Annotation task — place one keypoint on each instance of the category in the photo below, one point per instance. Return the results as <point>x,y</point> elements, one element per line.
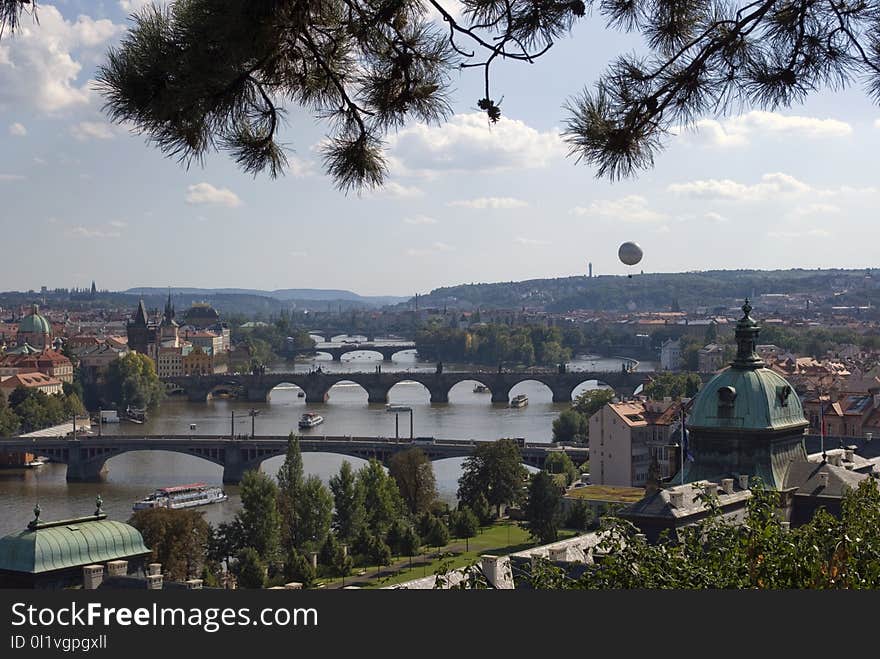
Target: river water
<point>130,476</point>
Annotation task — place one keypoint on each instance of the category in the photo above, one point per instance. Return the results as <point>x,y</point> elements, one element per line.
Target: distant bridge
<point>387,350</point>
<point>86,458</point>
<point>377,385</point>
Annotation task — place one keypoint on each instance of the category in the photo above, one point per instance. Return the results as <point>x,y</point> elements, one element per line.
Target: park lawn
<point>499,539</point>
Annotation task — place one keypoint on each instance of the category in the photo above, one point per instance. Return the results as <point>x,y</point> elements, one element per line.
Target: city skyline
<point>465,202</point>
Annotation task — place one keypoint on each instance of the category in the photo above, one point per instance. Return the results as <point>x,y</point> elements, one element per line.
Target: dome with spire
<point>34,323</point>
<point>747,395</point>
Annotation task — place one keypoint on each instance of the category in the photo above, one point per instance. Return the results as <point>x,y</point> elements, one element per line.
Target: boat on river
<point>182,496</point>
<point>520,400</point>
<point>310,420</point>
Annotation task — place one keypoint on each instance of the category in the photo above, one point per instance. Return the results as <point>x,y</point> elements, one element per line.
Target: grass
<point>607,493</point>
<point>499,539</point>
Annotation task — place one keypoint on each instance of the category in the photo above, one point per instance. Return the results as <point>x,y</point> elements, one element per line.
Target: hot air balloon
<point>629,254</point>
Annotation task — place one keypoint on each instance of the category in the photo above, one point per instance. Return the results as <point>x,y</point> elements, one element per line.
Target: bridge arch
<point>231,387</point>
<point>347,391</point>
<point>359,355</point>
<point>544,393</point>
<point>409,392</point>
<point>589,385</point>
<point>463,392</point>
<point>291,388</point>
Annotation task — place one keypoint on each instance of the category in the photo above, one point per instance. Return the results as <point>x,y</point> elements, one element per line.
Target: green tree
<point>298,567</point>
<point>410,543</point>
<point>558,462</point>
<point>465,525</point>
<point>259,518</point>
<point>9,421</point>
<point>382,500</point>
<point>673,385</point>
<point>225,541</point>
<point>433,531</point>
<point>132,381</point>
<point>570,426</point>
<point>414,475</point>
<point>314,513</point>
<point>379,553</point>
<point>543,507</point>
<point>494,469</point>
<point>580,516</point>
<point>250,571</point>
<point>178,539</point>
<point>482,510</point>
<point>591,401</point>
<point>349,514</point>
<point>290,487</point>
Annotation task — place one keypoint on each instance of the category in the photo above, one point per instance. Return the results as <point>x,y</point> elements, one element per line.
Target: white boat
<point>481,389</point>
<point>182,496</point>
<point>310,420</point>
<point>520,400</point>
<point>39,461</point>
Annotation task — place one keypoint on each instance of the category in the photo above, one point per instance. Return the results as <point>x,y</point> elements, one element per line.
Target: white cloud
<point>876,123</point>
<point>92,130</point>
<point>771,186</point>
<point>299,167</point>
<point>739,131</point>
<point>469,143</point>
<point>17,130</point>
<point>530,242</point>
<point>299,254</point>
<point>433,249</point>
<point>6,178</point>
<point>419,219</point>
<point>119,224</point>
<point>815,209</point>
<point>489,202</point>
<point>632,208</point>
<point>39,66</point>
<point>712,216</point>
<point>810,233</point>
<point>94,232</point>
<point>394,190</point>
<point>205,193</point>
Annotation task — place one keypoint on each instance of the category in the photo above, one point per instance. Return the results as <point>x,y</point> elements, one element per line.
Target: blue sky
<point>466,202</point>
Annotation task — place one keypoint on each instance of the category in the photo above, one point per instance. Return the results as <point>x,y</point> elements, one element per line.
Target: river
<point>130,476</point>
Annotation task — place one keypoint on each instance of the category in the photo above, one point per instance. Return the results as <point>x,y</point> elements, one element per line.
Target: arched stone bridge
<point>377,385</point>
<point>387,350</point>
<point>86,458</point>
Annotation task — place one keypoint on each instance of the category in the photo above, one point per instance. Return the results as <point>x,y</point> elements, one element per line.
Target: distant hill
<point>660,291</point>
<point>299,296</point>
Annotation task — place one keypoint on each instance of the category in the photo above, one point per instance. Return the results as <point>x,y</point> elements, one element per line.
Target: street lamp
<point>253,415</point>
<point>397,409</point>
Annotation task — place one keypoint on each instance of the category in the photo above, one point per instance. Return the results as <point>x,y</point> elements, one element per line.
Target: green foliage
<point>558,462</point>
<point>259,518</point>
<point>592,400</point>
<point>250,571</point>
<point>9,421</point>
<point>349,514</point>
<point>410,542</point>
<point>224,542</point>
<point>298,567</point>
<point>495,470</point>
<point>465,524</point>
<point>382,500</point>
<point>826,552</point>
<point>580,516</point>
<point>543,507</point>
<point>178,539</point>
<point>433,530</point>
<point>378,552</point>
<point>31,409</point>
<point>482,510</point>
<point>314,513</point>
<point>305,506</point>
<point>414,475</point>
<point>132,381</point>
<point>674,385</point>
<point>570,426</point>
<point>493,344</point>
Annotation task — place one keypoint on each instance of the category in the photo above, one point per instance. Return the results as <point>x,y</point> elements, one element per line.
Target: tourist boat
<point>520,400</point>
<point>310,420</point>
<point>39,461</point>
<point>182,496</point>
<point>481,389</point>
<point>301,394</point>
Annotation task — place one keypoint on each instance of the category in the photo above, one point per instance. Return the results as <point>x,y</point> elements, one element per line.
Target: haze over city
<point>465,201</point>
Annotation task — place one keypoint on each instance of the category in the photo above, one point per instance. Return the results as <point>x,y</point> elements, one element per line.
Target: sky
<point>85,200</point>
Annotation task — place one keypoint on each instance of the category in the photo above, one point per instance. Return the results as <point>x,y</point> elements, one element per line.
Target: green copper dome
<point>34,323</point>
<point>747,395</point>
<point>45,547</point>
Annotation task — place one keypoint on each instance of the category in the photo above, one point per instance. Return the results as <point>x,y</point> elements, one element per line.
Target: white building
<point>670,355</point>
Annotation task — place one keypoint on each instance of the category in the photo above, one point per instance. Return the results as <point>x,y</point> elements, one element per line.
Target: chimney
<point>823,478</point>
<point>676,499</point>
<point>117,568</point>
<point>497,571</point>
<point>93,575</point>
<point>727,485</point>
<point>154,569</point>
<point>154,582</point>
<point>744,481</point>
<point>314,559</point>
<point>558,554</point>
<point>193,584</point>
<point>848,454</point>
<point>710,488</point>
<point>293,585</point>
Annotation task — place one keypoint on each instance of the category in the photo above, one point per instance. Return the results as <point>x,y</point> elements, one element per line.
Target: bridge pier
<point>561,395</point>
<point>439,394</point>
<point>376,395</point>
<point>234,465</point>
<point>82,469</point>
<point>501,394</point>
<point>258,394</point>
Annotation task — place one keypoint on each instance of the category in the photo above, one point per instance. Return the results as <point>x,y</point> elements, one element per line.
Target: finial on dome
<point>99,503</point>
<point>37,511</point>
<point>747,308</point>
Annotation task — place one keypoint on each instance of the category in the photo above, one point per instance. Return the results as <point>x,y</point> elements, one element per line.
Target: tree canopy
<point>494,470</point>
<point>198,76</point>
